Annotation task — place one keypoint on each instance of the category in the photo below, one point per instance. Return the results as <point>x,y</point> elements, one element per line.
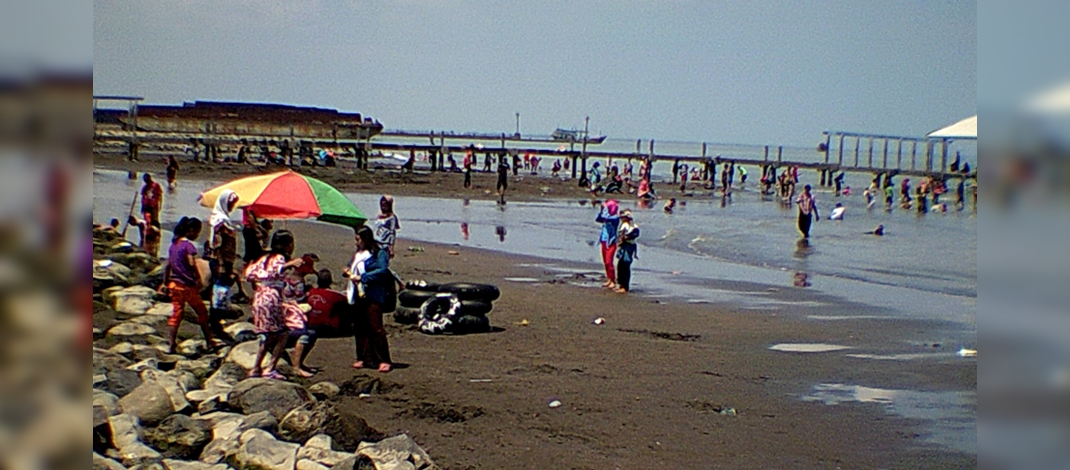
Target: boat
<point>566,135</point>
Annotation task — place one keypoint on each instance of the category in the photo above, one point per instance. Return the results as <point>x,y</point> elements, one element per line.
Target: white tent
<point>964,129</point>
<point>1054,101</point>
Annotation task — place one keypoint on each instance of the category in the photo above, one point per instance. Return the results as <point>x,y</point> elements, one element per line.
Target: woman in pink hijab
<point>607,241</point>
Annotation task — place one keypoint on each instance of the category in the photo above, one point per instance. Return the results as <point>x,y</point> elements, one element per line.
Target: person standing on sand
<point>607,240</point>
<point>503,176</point>
<point>626,251</point>
<point>151,197</point>
<point>387,224</point>
<point>172,173</point>
<point>468,159</point>
<point>807,211</point>
<point>371,269</point>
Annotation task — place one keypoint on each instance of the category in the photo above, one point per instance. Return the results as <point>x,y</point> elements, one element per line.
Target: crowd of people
<point>287,311</point>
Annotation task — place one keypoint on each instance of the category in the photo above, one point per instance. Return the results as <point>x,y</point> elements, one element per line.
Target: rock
<point>160,309</point>
<point>225,378</point>
<point>149,402</point>
<point>244,354</point>
<point>186,379</point>
<point>143,365</point>
<point>149,465</point>
<point>134,300</point>
<point>262,420</point>
<point>215,403</point>
<point>122,348</point>
<point>238,327</point>
<point>137,453</point>
<point>396,453</point>
<point>253,395</point>
<point>309,465</point>
<point>176,391</point>
<point>191,347</point>
<point>262,451</point>
<point>180,436</point>
<point>201,368</point>
<point>305,421</point>
<point>125,430</point>
<point>129,329</point>
<point>349,430</point>
<point>320,441</point>
<point>106,402</point>
<point>117,379</point>
<point>324,390</point>
<point>103,463</point>
<point>107,273</point>
<point>170,464</point>
<point>326,457</point>
<point>219,450</point>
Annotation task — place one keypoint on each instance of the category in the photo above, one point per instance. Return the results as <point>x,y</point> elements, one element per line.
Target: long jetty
<point>840,151</point>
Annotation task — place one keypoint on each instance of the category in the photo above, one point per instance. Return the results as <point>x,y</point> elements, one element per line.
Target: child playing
<point>387,225</point>
<point>627,250</point>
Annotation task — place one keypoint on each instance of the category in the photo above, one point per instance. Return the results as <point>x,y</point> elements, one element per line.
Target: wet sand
<point>643,390</point>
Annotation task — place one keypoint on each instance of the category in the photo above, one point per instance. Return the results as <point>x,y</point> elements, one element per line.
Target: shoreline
<point>641,390</point>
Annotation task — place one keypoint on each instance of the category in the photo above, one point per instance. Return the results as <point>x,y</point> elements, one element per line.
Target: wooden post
<point>899,155</point>
<point>766,158</point>
<point>913,152</point>
<point>841,149</point>
<point>928,155</point>
<point>871,152</point>
<point>779,152</point>
<point>858,141</point>
<point>943,157</point>
<point>828,140</point>
<point>885,162</point>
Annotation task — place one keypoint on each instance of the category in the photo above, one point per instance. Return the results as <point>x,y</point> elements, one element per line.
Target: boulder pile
<point>196,410</point>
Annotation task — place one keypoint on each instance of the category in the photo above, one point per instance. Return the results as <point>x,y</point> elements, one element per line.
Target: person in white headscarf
<point>222,243</point>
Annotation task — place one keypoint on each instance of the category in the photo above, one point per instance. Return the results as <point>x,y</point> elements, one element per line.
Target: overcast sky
<point>754,72</point>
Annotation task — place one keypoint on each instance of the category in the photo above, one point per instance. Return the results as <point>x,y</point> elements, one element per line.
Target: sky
<point>749,72</point>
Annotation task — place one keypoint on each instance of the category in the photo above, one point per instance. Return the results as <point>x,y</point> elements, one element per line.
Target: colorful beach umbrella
<point>289,195</point>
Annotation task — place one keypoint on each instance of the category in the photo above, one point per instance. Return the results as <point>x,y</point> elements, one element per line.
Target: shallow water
<point>949,419</point>
<point>742,253</point>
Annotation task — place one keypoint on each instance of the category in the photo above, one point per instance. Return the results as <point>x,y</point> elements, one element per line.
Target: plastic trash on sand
<point>967,352</point>
<point>599,321</point>
<point>554,404</point>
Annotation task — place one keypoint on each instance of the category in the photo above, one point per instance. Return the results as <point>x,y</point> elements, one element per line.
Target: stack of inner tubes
<point>458,307</point>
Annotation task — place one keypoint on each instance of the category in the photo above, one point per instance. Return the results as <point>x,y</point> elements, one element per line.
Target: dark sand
<point>637,392</point>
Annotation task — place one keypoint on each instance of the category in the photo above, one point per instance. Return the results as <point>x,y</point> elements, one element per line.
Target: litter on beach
<point>480,381</point>
<point>452,252</point>
<point>554,404</point>
<point>967,352</point>
<point>524,322</point>
<point>599,321</point>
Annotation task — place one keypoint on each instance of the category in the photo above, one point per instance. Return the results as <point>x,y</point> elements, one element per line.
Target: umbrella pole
<point>128,216</point>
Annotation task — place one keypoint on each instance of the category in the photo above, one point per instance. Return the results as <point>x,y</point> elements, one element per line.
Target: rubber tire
<point>475,307</point>
<point>414,298</point>
<point>467,324</point>
<point>468,291</point>
<point>406,315</point>
<point>422,285</point>
<point>437,314</point>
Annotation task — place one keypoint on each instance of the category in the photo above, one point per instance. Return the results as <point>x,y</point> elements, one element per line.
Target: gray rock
<point>244,354</point>
<point>107,403</point>
<point>324,390</point>
<point>219,450</point>
<point>326,457</point>
<point>238,327</point>
<point>117,379</point>
<point>186,379</point>
<point>192,346</point>
<point>225,378</point>
<point>125,430</point>
<point>171,464</point>
<point>122,348</point>
<point>160,309</point>
<point>261,450</point>
<point>149,465</point>
<point>149,402</point>
<point>320,441</point>
<point>137,454</point>
<point>349,430</point>
<point>253,395</point>
<point>180,436</point>
<point>103,463</point>
<point>201,368</point>
<point>129,329</point>
<point>211,405</point>
<point>305,421</point>
<point>309,465</point>
<point>107,273</point>
<point>175,389</point>
<point>397,452</point>
<point>108,295</point>
<point>143,365</point>
<point>134,300</point>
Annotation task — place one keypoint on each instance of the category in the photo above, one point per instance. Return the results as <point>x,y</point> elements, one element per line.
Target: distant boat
<point>566,135</point>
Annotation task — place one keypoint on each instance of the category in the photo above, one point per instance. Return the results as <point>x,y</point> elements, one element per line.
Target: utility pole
<point>518,125</point>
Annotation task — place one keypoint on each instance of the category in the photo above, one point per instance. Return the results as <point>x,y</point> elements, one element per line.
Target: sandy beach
<point>651,387</point>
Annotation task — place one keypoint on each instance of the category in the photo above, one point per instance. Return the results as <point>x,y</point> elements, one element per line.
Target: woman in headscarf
<point>607,216</point>
<point>223,241</point>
